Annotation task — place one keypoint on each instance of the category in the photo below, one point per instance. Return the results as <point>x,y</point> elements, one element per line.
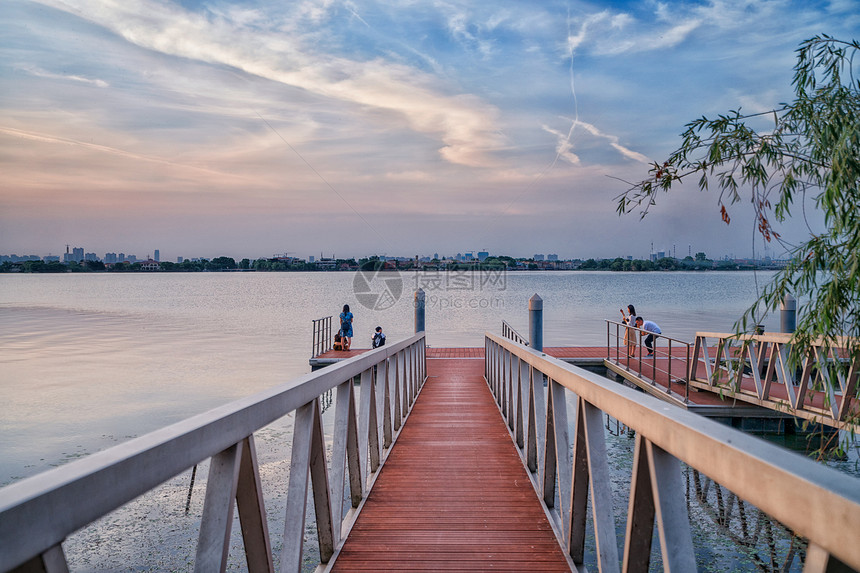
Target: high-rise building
<point>552,257</point>
<point>538,257</point>
<point>483,255</point>
<point>157,256</point>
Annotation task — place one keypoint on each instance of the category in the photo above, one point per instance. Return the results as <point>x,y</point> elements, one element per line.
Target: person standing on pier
<point>629,333</point>
<point>346,327</point>
<point>652,329</point>
<point>378,338</point>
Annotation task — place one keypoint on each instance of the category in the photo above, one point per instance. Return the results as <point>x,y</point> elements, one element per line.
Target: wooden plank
<point>453,494</point>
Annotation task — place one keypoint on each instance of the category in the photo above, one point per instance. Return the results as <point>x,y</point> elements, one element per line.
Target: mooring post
<point>536,323</point>
<point>419,310</point>
<point>788,314</point>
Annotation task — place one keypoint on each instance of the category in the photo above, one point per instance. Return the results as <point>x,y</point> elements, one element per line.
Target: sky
<point>399,128</point>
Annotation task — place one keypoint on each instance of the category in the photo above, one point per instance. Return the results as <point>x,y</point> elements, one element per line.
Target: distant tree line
<point>700,263</point>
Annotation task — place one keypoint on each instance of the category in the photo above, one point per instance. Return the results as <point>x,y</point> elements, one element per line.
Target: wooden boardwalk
<point>453,494</point>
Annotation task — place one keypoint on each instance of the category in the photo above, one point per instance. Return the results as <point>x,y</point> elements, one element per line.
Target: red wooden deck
<point>453,494</point>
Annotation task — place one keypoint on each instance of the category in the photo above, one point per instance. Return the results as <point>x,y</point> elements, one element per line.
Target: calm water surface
<point>89,360</point>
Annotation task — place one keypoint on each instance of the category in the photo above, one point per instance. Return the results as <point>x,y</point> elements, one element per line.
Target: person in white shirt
<point>652,329</point>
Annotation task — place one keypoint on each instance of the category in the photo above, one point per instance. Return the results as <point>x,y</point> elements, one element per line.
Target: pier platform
<point>650,375</point>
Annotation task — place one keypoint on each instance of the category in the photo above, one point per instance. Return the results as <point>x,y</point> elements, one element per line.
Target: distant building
<point>110,258</point>
<point>13,258</point>
<point>180,260</point>
<point>311,259</point>
<point>538,257</point>
<point>661,254</point>
<point>91,257</point>
<point>483,256</point>
<point>76,256</point>
<point>552,257</point>
<point>157,256</point>
<point>150,265</point>
<point>120,258</point>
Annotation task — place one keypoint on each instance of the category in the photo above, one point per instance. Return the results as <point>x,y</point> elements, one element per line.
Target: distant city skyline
<point>244,129</point>
<point>80,254</point>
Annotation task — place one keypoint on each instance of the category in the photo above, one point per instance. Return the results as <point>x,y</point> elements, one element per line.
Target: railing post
<point>419,310</point>
<point>788,314</point>
<point>536,323</point>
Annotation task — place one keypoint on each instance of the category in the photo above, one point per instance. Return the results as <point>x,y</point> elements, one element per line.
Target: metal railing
<point>674,351</point>
<point>761,369</point>
<point>38,513</point>
<point>322,336</point>
<point>510,332</point>
<point>816,502</point>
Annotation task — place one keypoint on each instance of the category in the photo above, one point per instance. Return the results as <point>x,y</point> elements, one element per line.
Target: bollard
<point>536,323</point>
<point>419,310</point>
<point>788,314</point>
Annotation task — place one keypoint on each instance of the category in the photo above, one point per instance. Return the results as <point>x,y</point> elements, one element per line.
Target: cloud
<point>611,35</point>
<point>40,73</point>
<point>465,125</point>
<point>564,144</point>
<point>669,24</point>
<point>409,176</point>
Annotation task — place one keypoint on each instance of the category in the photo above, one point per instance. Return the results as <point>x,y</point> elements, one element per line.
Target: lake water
<point>91,360</point>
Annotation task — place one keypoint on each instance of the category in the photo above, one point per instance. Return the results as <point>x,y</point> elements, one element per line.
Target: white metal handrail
<point>664,347</point>
<point>817,502</point>
<point>38,513</point>
<point>322,337</point>
<point>766,362</point>
<point>510,332</point>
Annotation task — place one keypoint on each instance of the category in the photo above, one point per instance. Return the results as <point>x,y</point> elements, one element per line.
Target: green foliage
<point>221,263</point>
<point>807,148</point>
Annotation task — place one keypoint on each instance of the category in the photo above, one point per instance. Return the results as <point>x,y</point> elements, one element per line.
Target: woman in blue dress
<point>346,327</point>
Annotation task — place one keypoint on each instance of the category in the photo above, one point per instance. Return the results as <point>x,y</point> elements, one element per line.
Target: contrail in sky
<point>113,151</point>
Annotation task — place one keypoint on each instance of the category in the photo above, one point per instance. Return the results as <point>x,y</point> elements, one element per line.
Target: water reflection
<point>767,543</point>
<point>729,534</point>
